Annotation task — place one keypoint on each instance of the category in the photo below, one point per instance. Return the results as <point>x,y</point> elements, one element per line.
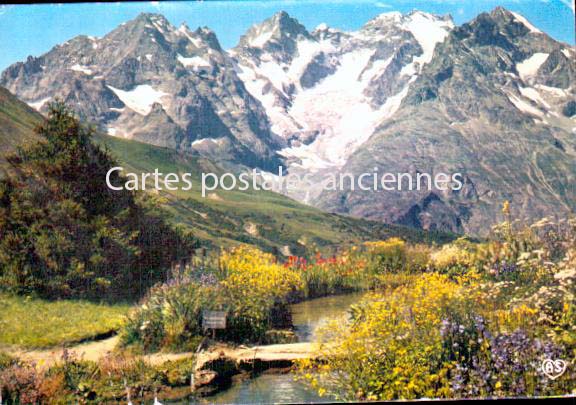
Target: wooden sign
<point>214,319</point>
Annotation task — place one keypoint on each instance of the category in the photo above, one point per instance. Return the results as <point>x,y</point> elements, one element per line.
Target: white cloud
<point>382,5</point>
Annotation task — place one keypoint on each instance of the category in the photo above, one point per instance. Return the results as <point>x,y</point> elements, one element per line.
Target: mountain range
<point>493,99</point>
<point>266,219</point>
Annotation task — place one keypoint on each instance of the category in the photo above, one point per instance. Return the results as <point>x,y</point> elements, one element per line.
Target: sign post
<point>213,320</point>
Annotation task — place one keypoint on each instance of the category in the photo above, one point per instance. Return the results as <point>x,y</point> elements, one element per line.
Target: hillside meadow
<point>445,317</point>
<point>460,320</point>
<point>35,323</point>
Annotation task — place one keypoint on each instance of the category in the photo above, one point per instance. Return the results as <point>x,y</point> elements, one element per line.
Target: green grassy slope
<point>36,323</point>
<point>266,219</point>
<point>17,122</point>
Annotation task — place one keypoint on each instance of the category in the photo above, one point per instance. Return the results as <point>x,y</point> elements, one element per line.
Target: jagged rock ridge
<point>493,99</point>
<point>150,81</point>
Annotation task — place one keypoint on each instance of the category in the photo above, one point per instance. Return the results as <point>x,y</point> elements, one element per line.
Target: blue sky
<point>35,28</point>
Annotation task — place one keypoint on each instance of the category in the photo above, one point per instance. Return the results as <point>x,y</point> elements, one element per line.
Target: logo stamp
<point>553,368</point>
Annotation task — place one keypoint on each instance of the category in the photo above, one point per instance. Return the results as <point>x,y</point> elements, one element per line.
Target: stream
<point>307,316</point>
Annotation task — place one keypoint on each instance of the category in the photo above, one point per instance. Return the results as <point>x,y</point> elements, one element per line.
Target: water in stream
<point>311,314</point>
<point>282,388</point>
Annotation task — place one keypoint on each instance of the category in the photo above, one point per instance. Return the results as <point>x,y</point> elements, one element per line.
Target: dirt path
<point>92,351</point>
<point>267,353</point>
<point>95,351</point>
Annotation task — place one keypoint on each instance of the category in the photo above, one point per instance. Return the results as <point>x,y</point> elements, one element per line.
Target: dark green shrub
<point>64,233</point>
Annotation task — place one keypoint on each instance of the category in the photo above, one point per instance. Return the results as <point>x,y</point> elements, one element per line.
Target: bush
<point>500,364</point>
<point>20,383</point>
<point>449,337</point>
<point>251,287</point>
<point>324,276</point>
<point>388,349</point>
<point>381,264</point>
<point>482,328</point>
<point>417,258</point>
<point>451,259</point>
<point>64,233</point>
<point>387,256</point>
<point>76,381</point>
<point>170,316</point>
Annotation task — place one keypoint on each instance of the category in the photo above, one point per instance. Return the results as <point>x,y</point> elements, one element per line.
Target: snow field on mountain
<point>196,62</point>
<point>141,98</point>
<point>38,104</point>
<point>256,85</point>
<point>529,67</point>
<point>524,21</point>
<point>524,106</point>
<point>428,31</point>
<point>336,106</point>
<point>82,69</point>
<point>533,95</point>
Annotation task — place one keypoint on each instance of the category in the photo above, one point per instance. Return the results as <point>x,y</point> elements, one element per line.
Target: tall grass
<point>35,323</point>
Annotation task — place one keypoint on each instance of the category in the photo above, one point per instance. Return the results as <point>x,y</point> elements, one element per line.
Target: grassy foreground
<point>465,320</point>
<point>34,323</point>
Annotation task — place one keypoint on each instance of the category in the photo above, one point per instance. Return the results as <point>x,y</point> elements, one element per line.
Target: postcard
<point>287,201</point>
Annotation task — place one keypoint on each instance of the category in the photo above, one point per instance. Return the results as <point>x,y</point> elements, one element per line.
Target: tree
<point>64,233</point>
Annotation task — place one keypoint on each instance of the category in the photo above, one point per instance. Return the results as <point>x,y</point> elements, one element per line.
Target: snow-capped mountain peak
<point>428,30</point>
<point>150,81</point>
<point>406,92</point>
<point>384,20</point>
<point>278,31</point>
<point>327,94</point>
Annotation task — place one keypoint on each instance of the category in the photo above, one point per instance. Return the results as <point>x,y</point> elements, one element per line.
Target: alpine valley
<point>493,99</point>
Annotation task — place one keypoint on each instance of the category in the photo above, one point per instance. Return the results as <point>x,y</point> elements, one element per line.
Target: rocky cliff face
<point>150,81</point>
<point>492,99</point>
<point>486,105</point>
<point>326,91</point>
